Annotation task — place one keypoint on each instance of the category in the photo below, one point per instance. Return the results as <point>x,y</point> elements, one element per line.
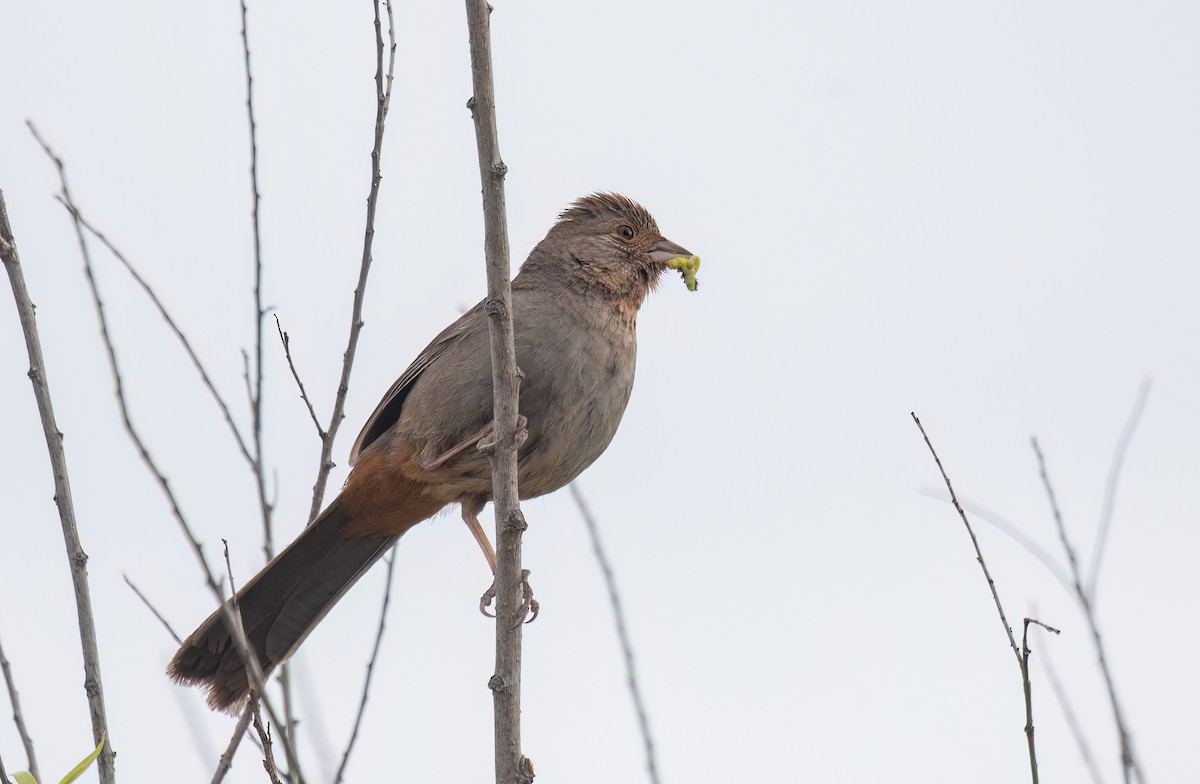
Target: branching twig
<point>1129,764</point>
<point>13,699</point>
<point>233,620</point>
<point>1027,687</point>
<point>362,703</point>
<point>171,324</point>
<point>991,584</point>
<point>511,765</point>
<point>286,340</point>
<point>610,581</point>
<point>383,100</point>
<point>152,609</point>
<point>1110,487</point>
<point>76,556</point>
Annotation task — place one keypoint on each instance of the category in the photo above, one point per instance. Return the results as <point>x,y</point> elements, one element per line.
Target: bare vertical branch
<point>1021,662</point>
<point>610,581</point>
<point>76,556</point>
<point>383,100</point>
<point>13,699</point>
<point>1110,487</point>
<point>1130,767</point>
<point>1027,687</point>
<point>256,387</point>
<point>362,703</point>
<point>512,767</point>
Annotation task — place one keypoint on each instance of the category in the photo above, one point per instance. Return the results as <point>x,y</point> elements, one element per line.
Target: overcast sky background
<point>983,212</point>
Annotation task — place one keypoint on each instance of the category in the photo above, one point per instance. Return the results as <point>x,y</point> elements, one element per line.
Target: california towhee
<point>575,304</point>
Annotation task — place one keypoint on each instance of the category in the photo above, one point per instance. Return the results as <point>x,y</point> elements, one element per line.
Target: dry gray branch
<point>1130,767</point>
<point>225,763</point>
<point>991,585</point>
<point>286,340</point>
<point>1064,702</point>
<point>165,624</point>
<point>13,698</point>
<point>366,690</point>
<point>610,581</point>
<point>76,556</point>
<point>1027,688</point>
<point>512,767</point>
<point>383,100</point>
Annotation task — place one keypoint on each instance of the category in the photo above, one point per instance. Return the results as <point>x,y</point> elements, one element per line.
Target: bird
<point>575,303</point>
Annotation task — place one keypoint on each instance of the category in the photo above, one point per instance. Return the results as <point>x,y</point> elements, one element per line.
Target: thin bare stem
<point>1028,689</point>
<point>122,403</point>
<point>1130,767</point>
<point>286,340</point>
<point>512,767</point>
<point>264,736</point>
<point>232,616</point>
<point>205,378</point>
<point>165,624</point>
<point>1021,661</point>
<point>225,763</point>
<point>975,542</point>
<point>610,581</point>
<point>1064,702</point>
<point>362,703</point>
<point>4,772</point>
<point>1110,487</point>
<point>13,698</point>
<point>383,100</point>
<point>1017,535</point>
<point>76,556</point>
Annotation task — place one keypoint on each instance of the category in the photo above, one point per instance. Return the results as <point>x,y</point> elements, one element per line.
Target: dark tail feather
<point>279,607</point>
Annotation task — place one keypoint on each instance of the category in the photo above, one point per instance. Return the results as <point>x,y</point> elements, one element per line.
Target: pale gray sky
<point>982,212</point>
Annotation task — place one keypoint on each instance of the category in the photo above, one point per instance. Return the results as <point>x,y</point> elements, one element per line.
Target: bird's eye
<point>626,232</point>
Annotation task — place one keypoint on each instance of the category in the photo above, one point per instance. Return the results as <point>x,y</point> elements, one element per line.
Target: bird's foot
<point>520,435</point>
<point>529,609</point>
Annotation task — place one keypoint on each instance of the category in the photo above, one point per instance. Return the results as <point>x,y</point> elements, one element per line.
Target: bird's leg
<point>529,606</point>
<point>441,459</point>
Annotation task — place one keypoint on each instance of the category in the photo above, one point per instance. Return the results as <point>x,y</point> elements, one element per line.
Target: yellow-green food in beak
<point>687,268</point>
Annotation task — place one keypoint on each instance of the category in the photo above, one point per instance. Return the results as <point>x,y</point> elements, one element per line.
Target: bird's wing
<point>387,413</point>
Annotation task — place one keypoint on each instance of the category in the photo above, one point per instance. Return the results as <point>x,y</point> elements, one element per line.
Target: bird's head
<point>611,244</point>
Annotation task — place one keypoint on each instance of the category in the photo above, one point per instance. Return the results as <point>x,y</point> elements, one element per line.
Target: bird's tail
<point>279,607</point>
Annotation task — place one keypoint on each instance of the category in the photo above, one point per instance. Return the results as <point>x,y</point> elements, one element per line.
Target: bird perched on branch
<point>574,305</point>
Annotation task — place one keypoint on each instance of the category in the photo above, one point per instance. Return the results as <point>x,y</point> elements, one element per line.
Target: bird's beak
<point>664,250</point>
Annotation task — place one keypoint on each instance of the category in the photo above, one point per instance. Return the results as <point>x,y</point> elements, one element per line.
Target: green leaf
<point>24,777</point>
<point>83,765</point>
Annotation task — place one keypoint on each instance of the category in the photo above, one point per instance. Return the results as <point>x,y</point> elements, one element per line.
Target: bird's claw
<point>520,436</point>
<point>529,609</point>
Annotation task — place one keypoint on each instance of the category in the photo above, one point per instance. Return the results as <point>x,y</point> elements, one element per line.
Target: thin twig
<point>1064,702</point>
<point>152,609</point>
<point>13,698</point>
<point>264,736</point>
<point>1110,487</point>
<point>4,773</point>
<point>975,542</point>
<point>225,763</point>
<point>171,324</point>
<point>62,485</point>
<point>383,100</point>
<point>610,581</point>
<point>233,620</point>
<point>362,703</point>
<point>123,405</point>
<point>287,352</point>
<point>1028,689</point>
<point>1017,535</point>
<point>991,584</point>
<point>1130,767</point>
